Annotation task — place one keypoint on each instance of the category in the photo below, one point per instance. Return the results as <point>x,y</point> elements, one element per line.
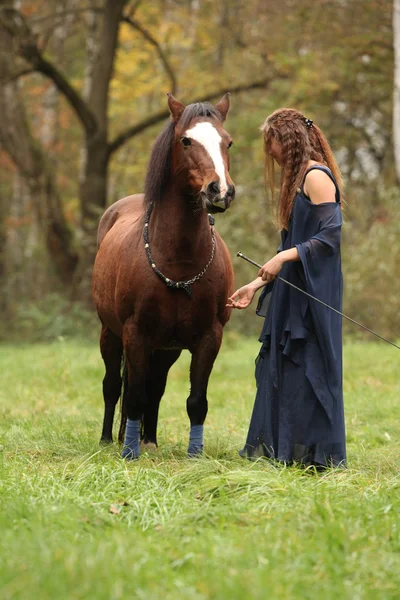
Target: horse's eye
<point>230,144</point>
<point>186,142</point>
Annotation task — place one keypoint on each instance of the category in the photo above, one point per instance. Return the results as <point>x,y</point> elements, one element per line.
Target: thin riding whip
<point>321,302</point>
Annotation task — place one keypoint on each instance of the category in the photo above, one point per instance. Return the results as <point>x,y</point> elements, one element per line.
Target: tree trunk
<point>91,55</point>
<point>396,95</point>
<point>93,201</point>
<point>93,186</point>
<point>30,159</point>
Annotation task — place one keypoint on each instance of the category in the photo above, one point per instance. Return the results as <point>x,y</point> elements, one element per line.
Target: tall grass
<point>78,522</point>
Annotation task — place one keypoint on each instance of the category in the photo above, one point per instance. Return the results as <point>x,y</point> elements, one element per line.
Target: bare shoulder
<point>319,187</point>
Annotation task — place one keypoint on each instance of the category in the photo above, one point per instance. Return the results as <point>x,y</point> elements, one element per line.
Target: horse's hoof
<point>105,441</point>
<point>148,446</point>
<point>129,454</point>
<point>195,451</point>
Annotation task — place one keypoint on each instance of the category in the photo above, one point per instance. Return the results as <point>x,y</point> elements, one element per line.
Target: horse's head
<point>200,158</point>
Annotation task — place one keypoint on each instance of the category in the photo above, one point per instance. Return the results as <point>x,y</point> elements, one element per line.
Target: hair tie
<point>308,122</point>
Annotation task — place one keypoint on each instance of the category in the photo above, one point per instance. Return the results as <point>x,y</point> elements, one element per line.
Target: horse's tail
<point>124,390</point>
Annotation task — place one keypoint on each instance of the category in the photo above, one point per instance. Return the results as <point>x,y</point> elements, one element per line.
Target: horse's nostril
<point>213,187</point>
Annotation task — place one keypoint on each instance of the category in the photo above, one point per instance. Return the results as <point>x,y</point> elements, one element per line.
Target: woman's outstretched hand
<point>242,297</point>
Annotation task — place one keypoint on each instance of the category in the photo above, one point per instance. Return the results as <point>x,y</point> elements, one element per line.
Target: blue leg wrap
<point>196,440</point>
<point>132,440</point>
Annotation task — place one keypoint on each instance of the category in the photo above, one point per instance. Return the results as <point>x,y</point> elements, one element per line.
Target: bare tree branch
<point>147,35</point>
<point>128,18</point>
<point>16,75</point>
<point>134,130</point>
<point>75,100</point>
<point>14,22</point>
<point>134,8</point>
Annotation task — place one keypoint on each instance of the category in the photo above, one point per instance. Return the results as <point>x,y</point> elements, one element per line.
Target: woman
<point>298,411</point>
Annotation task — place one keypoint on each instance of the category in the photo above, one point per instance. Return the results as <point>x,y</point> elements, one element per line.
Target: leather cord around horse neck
<point>184,285</point>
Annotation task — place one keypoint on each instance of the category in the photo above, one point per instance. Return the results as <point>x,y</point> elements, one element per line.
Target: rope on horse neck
<point>323,303</point>
<point>184,285</point>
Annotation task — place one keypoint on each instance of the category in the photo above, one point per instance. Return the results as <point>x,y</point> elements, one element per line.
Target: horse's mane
<point>159,169</point>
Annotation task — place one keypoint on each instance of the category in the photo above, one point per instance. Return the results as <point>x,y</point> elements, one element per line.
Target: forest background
<point>82,100</point>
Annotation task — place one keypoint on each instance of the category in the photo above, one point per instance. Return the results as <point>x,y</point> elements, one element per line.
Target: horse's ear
<point>223,106</point>
<point>176,108</point>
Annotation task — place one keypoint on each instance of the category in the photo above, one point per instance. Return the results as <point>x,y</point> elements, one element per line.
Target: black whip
<point>320,301</point>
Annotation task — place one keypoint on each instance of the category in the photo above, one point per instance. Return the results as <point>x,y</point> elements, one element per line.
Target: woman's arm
<point>256,284</point>
<point>290,255</point>
<point>271,269</point>
<point>320,190</point>
<point>244,295</point>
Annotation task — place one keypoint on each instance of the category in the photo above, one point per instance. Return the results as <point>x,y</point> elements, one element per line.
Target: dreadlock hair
<point>300,140</point>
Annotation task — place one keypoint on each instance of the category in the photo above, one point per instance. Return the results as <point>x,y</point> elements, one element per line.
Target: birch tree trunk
<point>396,95</point>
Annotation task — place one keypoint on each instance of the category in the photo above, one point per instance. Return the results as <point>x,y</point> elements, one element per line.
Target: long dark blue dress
<point>298,411</point>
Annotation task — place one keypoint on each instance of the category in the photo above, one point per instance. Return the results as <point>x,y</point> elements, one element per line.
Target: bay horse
<point>162,275</point>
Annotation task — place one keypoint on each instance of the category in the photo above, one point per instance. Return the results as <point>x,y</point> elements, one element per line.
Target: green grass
<point>76,522</point>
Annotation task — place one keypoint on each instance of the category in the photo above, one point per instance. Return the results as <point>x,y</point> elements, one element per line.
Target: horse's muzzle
<point>215,201</point>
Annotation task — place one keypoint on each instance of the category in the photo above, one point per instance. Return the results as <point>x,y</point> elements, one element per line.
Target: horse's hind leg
<point>111,351</point>
<point>160,363</point>
<point>137,356</point>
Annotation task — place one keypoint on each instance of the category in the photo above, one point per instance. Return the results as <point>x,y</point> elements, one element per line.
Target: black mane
<point>159,169</point>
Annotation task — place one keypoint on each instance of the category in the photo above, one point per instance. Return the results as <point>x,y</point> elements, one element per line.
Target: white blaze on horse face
<point>206,134</point>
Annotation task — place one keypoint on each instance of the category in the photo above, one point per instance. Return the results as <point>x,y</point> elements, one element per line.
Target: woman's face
<point>276,151</point>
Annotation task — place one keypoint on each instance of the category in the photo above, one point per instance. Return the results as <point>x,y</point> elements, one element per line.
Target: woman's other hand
<point>271,269</point>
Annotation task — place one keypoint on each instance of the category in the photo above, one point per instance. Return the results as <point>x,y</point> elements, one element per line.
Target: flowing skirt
<point>288,422</point>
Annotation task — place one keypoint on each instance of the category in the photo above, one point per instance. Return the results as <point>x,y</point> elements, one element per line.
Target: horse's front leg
<point>204,354</point>
<point>160,363</point>
<point>138,359</point>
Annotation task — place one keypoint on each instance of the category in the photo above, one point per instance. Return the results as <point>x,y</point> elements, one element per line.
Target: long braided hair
<point>300,141</point>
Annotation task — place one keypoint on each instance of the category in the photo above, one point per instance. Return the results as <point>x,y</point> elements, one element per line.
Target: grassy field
<point>76,522</point>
